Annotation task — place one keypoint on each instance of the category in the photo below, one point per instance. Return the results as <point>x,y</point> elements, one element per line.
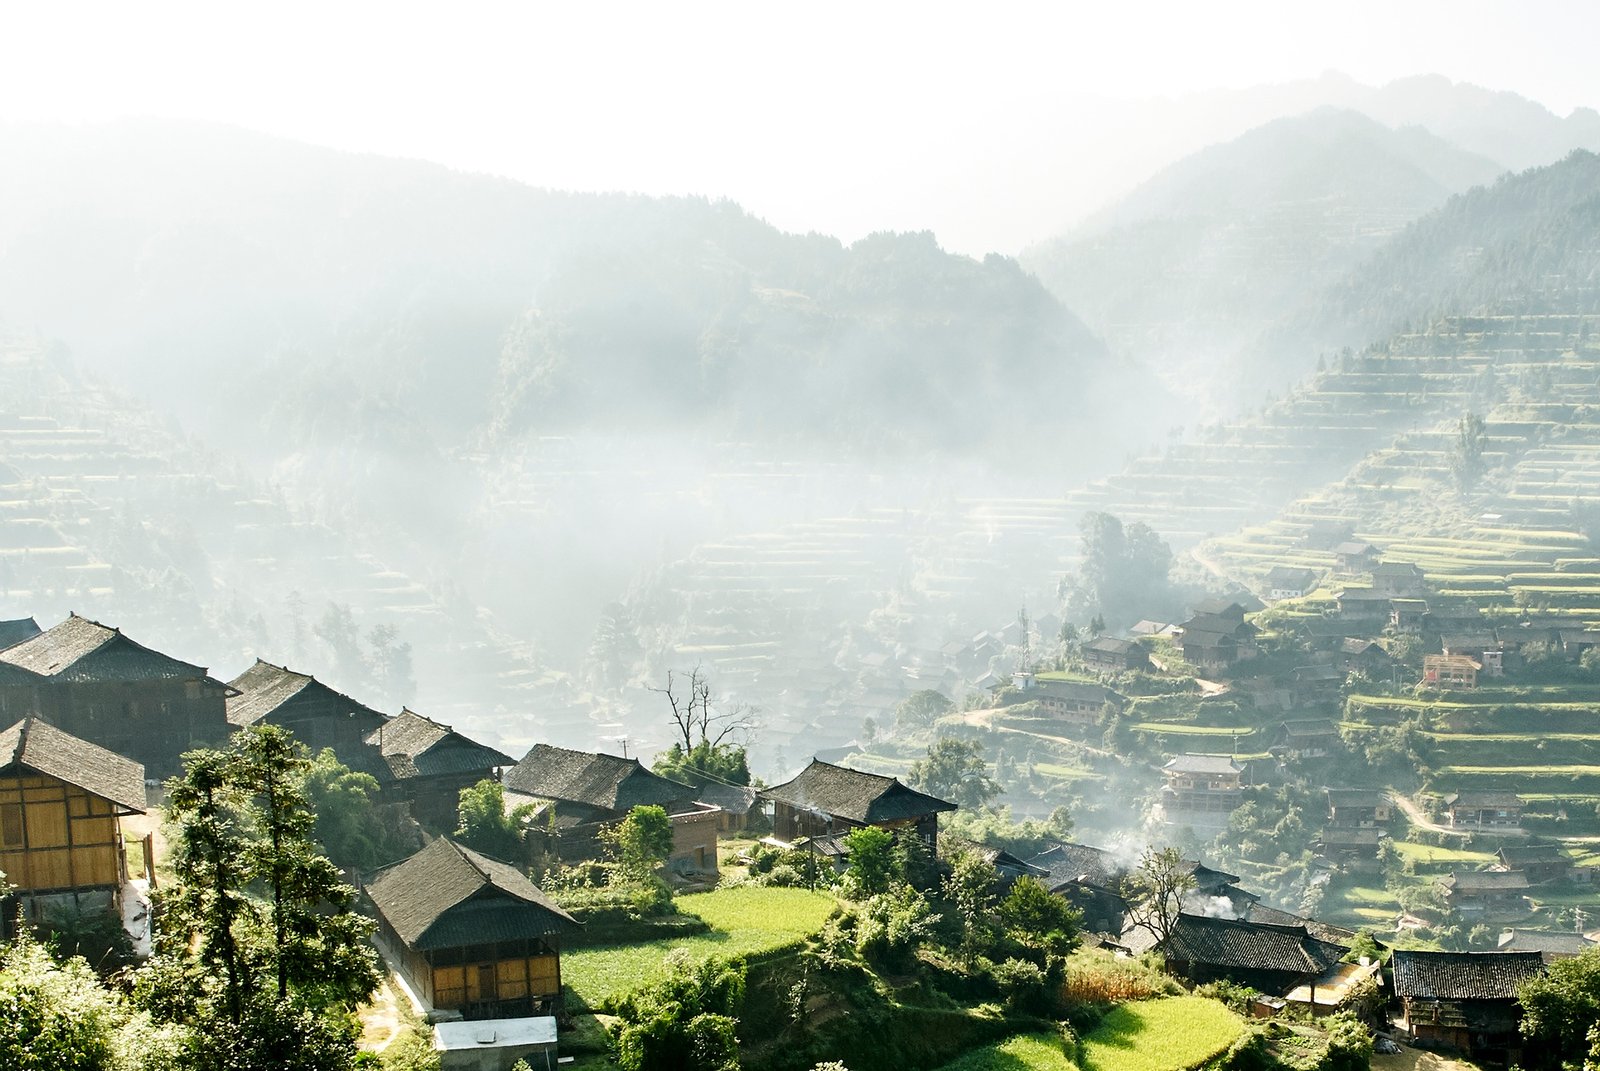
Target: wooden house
<point>1481,647</point>
<point>1551,945</point>
<point>17,631</point>
<point>1300,739</point>
<point>1091,880</point>
<point>1077,701</point>
<point>1358,654</point>
<point>1498,891</point>
<point>1399,580</point>
<point>1352,848</point>
<point>101,686</point>
<point>824,799</point>
<point>61,803</point>
<point>318,716</point>
<point>1208,651</point>
<point>1270,958</point>
<point>588,791</point>
<point>1107,654</point>
<point>1450,671</point>
<point>1355,557</point>
<point>1408,615</point>
<point>1288,582</point>
<point>1201,784</point>
<point>1362,604</point>
<point>1541,862</point>
<point>1361,808</point>
<point>1464,1000</point>
<point>1484,810</point>
<point>471,935</point>
<point>737,805</point>
<point>431,763</point>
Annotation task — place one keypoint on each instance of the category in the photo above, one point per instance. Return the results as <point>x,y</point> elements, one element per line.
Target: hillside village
<point>1490,890</point>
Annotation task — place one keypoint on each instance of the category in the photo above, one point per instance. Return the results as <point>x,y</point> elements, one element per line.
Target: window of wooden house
<point>542,974</point>
<point>511,979</point>
<point>10,825</point>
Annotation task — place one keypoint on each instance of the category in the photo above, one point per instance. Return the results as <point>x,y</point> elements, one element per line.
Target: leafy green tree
<point>641,842</point>
<point>1032,916</point>
<point>996,828</point>
<point>954,770</point>
<point>704,763</point>
<point>970,890</point>
<point>52,1016</point>
<point>689,1020</point>
<point>484,826</point>
<point>1466,455</point>
<point>1125,572</point>
<point>921,709</point>
<point>1560,1010</point>
<point>872,861</point>
<point>356,830</point>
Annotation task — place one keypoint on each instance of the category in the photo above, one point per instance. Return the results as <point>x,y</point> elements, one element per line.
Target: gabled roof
<point>1357,797</point>
<point>1202,764</point>
<point>1204,638</point>
<point>735,799</point>
<point>1515,855</point>
<point>264,688</point>
<point>1081,864</point>
<point>1263,915</point>
<point>1232,944</point>
<point>604,782</point>
<point>1294,576</point>
<point>1479,881</point>
<point>1360,645</point>
<point>41,747</point>
<point>1484,800</point>
<point>1353,548</point>
<point>15,632</point>
<point>851,794</point>
<point>1544,942</point>
<point>81,650</point>
<point>1112,645</point>
<point>1464,975</point>
<point>448,895</point>
<point>1409,570</point>
<point>415,746</point>
<point>1299,728</point>
<point>1082,690</point>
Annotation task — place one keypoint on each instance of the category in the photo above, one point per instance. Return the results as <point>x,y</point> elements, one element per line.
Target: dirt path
<point>380,1019</point>
<point>1409,1059</point>
<point>1416,817</point>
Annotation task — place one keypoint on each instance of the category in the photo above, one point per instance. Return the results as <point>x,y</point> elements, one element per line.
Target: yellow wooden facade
<point>536,978</point>
<point>55,837</point>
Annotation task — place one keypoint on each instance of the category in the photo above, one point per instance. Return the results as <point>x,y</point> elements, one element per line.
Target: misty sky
<point>976,121</point>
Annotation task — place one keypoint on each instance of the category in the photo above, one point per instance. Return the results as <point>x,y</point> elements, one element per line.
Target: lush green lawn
<point>1170,1034</point>
<point>744,920</point>
<point>1161,1035</point>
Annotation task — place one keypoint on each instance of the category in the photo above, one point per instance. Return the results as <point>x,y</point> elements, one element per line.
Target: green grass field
<point>744,920</point>
<point>1427,853</point>
<point>1170,1034</point>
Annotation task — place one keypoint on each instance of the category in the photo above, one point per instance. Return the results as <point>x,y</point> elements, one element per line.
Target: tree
<point>723,764</point>
<point>689,1020</point>
<point>970,890</point>
<point>1032,916</point>
<point>696,715</point>
<point>390,662</point>
<point>1466,455</point>
<point>484,826</point>
<point>52,1016</point>
<point>872,861</point>
<point>921,709</point>
<point>1560,1010</point>
<point>954,770</point>
<point>353,827</point>
<point>641,842</point>
<point>1156,889</point>
<point>1125,571</point>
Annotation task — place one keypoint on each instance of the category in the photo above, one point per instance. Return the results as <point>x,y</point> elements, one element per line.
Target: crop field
<point>744,920</point>
<point>1169,1034</point>
<point>1428,853</point>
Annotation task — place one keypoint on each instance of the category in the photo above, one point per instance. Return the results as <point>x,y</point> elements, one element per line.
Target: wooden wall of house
<point>435,801</point>
<point>149,721</point>
<point>57,837</point>
<point>496,980</point>
<point>324,721</point>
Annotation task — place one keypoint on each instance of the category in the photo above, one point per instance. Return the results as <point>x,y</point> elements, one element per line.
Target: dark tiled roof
<point>1515,855</point>
<point>1464,975</point>
<point>1357,797</point>
<point>415,746</point>
<point>1202,764</point>
<point>1396,569</point>
<point>1292,575</point>
<point>1230,943</point>
<point>859,797</point>
<point>82,650</point>
<point>998,858</point>
<point>1484,800</point>
<point>1083,864</point>
<point>1113,646</point>
<point>1545,942</point>
<point>1471,881</point>
<point>447,895</point>
<point>735,799</point>
<point>1311,727</point>
<point>15,632</point>
<point>605,782</point>
<point>1320,931</point>
<point>264,687</point>
<point>1198,637</point>
<point>42,747</point>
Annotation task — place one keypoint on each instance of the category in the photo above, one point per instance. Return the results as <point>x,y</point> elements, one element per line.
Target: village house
<point>1090,879</point>
<point>1288,582</point>
<point>1316,685</point>
<point>1577,642</point>
<point>1483,810</point>
<point>1541,862</point>
<point>582,792</point>
<point>1476,891</point>
<point>1077,701</point>
<point>470,935</point>
<point>61,804</point>
<point>1201,785</point>
<point>1224,619</point>
<point>1450,671</point>
<point>1551,945</point>
<point>1362,604</point>
<point>1361,655</point>
<point>101,686</point>
<point>737,805</point>
<point>1360,808</point>
<point>1107,654</point>
<point>1351,848</point>
<point>1464,1000</point>
<point>1480,647</point>
<point>1408,615</point>
<point>1353,557</point>
<point>1399,580</point>
<point>826,800</point>
<point>1208,651</point>
<point>1305,738</point>
<point>431,763</point>
<point>318,716</point>
<point>16,631</point>
<point>1286,961</point>
<point>1008,867</point>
